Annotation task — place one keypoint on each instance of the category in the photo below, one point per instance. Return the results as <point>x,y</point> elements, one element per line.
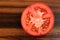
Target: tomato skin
<point>27,28</point>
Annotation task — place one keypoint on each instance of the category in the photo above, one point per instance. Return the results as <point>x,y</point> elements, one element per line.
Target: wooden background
<point>10,14</point>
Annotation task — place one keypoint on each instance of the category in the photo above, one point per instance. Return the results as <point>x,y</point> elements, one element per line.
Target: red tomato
<point>37,19</point>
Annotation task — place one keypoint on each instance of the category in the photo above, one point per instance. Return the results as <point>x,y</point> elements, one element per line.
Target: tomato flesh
<point>37,19</point>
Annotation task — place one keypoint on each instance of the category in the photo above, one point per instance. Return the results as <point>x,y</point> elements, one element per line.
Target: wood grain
<point>24,4</point>
<point>32,0</point>
<point>20,10</point>
<point>20,32</point>
<point>7,39</point>
<point>10,14</point>
<point>11,10</point>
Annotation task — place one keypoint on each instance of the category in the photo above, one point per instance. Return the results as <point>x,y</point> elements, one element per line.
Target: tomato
<point>37,19</point>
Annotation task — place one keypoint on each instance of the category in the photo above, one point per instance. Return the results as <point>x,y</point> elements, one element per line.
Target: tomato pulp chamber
<point>37,19</point>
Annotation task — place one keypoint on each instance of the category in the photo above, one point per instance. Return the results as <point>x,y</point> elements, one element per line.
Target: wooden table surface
<point>10,25</point>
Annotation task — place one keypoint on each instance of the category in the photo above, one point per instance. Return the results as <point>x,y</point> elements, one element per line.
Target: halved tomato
<point>37,19</point>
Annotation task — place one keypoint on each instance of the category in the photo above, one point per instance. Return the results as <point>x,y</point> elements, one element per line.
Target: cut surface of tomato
<point>37,19</point>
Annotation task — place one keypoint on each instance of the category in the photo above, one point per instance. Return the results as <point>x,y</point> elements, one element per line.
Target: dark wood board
<point>10,25</point>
